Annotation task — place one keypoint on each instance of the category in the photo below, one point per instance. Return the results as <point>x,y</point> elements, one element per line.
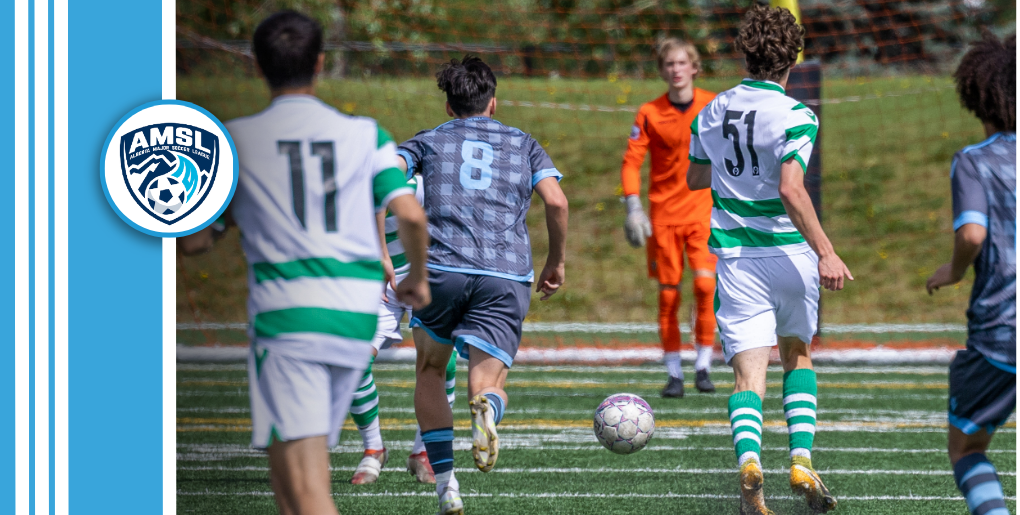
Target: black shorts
<point>982,393</point>
<point>478,311</point>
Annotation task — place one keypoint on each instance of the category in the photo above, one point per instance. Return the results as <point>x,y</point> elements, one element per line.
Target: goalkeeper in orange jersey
<point>679,217</point>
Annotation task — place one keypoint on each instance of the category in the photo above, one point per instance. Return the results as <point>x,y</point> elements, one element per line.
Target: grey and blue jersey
<point>479,175</point>
<point>984,193</point>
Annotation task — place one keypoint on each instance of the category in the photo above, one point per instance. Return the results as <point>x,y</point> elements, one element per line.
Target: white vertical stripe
<point>42,256</point>
<point>22,330</point>
<point>169,54</point>
<point>60,332</point>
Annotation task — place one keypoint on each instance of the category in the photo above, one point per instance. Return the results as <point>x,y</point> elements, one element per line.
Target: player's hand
<point>637,227</point>
<point>414,290</point>
<point>831,272</point>
<point>550,280</point>
<point>942,277</point>
<point>389,277</point>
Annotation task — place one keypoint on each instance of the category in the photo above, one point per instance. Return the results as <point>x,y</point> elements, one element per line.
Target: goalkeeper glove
<point>637,228</point>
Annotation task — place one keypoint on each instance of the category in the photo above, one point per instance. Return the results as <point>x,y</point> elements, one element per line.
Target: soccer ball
<point>165,195</point>
<point>624,423</point>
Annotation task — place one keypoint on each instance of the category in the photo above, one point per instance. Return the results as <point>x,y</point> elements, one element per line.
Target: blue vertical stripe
<point>8,392</point>
<point>50,259</point>
<point>31,259</point>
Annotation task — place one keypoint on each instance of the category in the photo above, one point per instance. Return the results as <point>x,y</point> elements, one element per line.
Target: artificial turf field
<point>879,447</point>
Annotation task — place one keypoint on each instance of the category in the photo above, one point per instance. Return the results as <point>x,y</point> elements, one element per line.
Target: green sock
<point>745,422</point>
<point>800,388</point>
<point>451,378</point>
<point>365,406</point>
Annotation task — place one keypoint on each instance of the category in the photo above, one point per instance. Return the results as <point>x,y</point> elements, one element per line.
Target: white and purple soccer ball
<point>166,195</point>
<point>624,423</point>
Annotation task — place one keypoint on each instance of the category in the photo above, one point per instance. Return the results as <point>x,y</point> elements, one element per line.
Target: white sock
<point>672,360</point>
<point>371,436</point>
<point>419,446</point>
<point>444,479</point>
<point>749,455</point>
<point>704,360</point>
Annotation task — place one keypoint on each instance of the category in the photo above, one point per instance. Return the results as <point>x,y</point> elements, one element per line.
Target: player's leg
<point>982,395</point>
<point>665,266</point>
<point>703,264</point>
<point>300,476</point>
<point>795,293</point>
<point>746,420</point>
<point>486,379</point>
<point>418,461</point>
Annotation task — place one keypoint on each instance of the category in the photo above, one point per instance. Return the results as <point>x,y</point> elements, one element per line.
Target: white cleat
<point>371,465</point>
<point>450,502</point>
<point>483,431</point>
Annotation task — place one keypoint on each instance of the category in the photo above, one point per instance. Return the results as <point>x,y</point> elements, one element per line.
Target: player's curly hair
<point>469,84</point>
<point>770,39</point>
<point>986,80</point>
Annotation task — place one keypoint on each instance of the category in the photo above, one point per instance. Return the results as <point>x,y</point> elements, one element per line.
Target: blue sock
<point>439,447</point>
<point>978,482</point>
<point>497,406</point>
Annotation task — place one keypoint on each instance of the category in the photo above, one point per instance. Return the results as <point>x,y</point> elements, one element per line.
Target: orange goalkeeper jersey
<point>666,131</point>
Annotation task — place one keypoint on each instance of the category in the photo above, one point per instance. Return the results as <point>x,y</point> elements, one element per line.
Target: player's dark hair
<point>770,39</point>
<point>469,84</point>
<point>287,45</point>
<point>986,81</point>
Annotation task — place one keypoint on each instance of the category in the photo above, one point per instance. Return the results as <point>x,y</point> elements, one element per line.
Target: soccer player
<point>365,409</point>
<point>982,377</point>
<point>679,216</point>
<point>479,177</point>
<point>311,180</point>
<point>751,145</point>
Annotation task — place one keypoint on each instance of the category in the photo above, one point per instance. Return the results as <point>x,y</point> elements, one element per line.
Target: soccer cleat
<point>805,481</point>
<point>674,388</point>
<point>371,465</point>
<point>450,502</point>
<point>702,382</point>
<point>752,500</point>
<point>419,467</point>
<point>483,431</point>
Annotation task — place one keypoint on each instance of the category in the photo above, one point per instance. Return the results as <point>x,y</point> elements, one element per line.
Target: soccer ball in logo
<point>165,195</point>
<point>624,423</point>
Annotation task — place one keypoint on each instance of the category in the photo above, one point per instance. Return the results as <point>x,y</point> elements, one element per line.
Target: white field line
<point>585,495</point>
<point>880,395</point>
<point>643,328</point>
<point>595,370</point>
<point>607,470</point>
<point>909,415</point>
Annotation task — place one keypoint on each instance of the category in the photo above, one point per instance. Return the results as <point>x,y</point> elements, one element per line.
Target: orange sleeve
<point>637,147</point>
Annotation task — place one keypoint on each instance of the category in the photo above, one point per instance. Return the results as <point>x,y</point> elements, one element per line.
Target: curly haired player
<point>982,377</point>
<point>751,145</point>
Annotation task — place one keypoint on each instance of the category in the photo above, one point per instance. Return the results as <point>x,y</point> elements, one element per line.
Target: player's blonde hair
<point>670,44</point>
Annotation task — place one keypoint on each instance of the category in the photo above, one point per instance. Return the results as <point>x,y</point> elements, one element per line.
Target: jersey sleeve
<point>388,182</point>
<point>801,131</point>
<point>970,204</point>
<point>698,154</point>
<point>637,147</point>
<point>541,164</point>
<point>412,150</point>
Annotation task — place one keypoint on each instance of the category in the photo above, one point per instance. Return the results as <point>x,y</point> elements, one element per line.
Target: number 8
<point>467,153</point>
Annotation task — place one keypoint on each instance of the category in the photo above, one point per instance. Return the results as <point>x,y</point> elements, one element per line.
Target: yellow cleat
<point>485,448</point>
<point>805,481</point>
<point>752,500</point>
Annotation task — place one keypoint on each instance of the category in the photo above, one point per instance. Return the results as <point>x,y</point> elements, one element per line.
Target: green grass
<point>886,196</point>
<point>547,426</point>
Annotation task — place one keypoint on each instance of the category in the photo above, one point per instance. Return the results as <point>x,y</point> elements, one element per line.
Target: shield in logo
<point>169,168</point>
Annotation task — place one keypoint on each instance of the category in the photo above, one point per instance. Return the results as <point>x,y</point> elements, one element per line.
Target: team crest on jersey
<point>169,168</point>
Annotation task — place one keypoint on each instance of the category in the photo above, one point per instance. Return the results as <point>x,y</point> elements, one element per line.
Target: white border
<point>169,81</point>
<point>21,281</point>
<point>61,499</point>
<point>41,117</point>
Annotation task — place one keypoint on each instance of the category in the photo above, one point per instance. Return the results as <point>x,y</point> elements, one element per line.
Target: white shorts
<point>293,399</point>
<point>387,331</point>
<point>760,298</point>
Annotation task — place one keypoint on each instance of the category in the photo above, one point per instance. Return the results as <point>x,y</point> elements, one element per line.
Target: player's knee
<point>704,286</point>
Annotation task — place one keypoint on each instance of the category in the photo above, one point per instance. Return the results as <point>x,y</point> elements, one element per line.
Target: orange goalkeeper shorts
<point>666,248</point>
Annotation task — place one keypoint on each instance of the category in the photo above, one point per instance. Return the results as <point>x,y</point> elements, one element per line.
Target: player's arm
<point>556,215</point>
<point>797,202</point>
<point>637,227</point>
<point>389,276</point>
<point>970,221</point>
<point>699,173</point>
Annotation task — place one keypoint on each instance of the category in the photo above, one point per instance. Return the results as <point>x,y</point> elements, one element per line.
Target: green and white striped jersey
<point>393,244</point>
<point>311,180</point>
<point>746,134</point>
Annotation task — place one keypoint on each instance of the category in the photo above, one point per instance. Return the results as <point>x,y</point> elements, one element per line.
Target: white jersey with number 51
<point>746,134</point>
